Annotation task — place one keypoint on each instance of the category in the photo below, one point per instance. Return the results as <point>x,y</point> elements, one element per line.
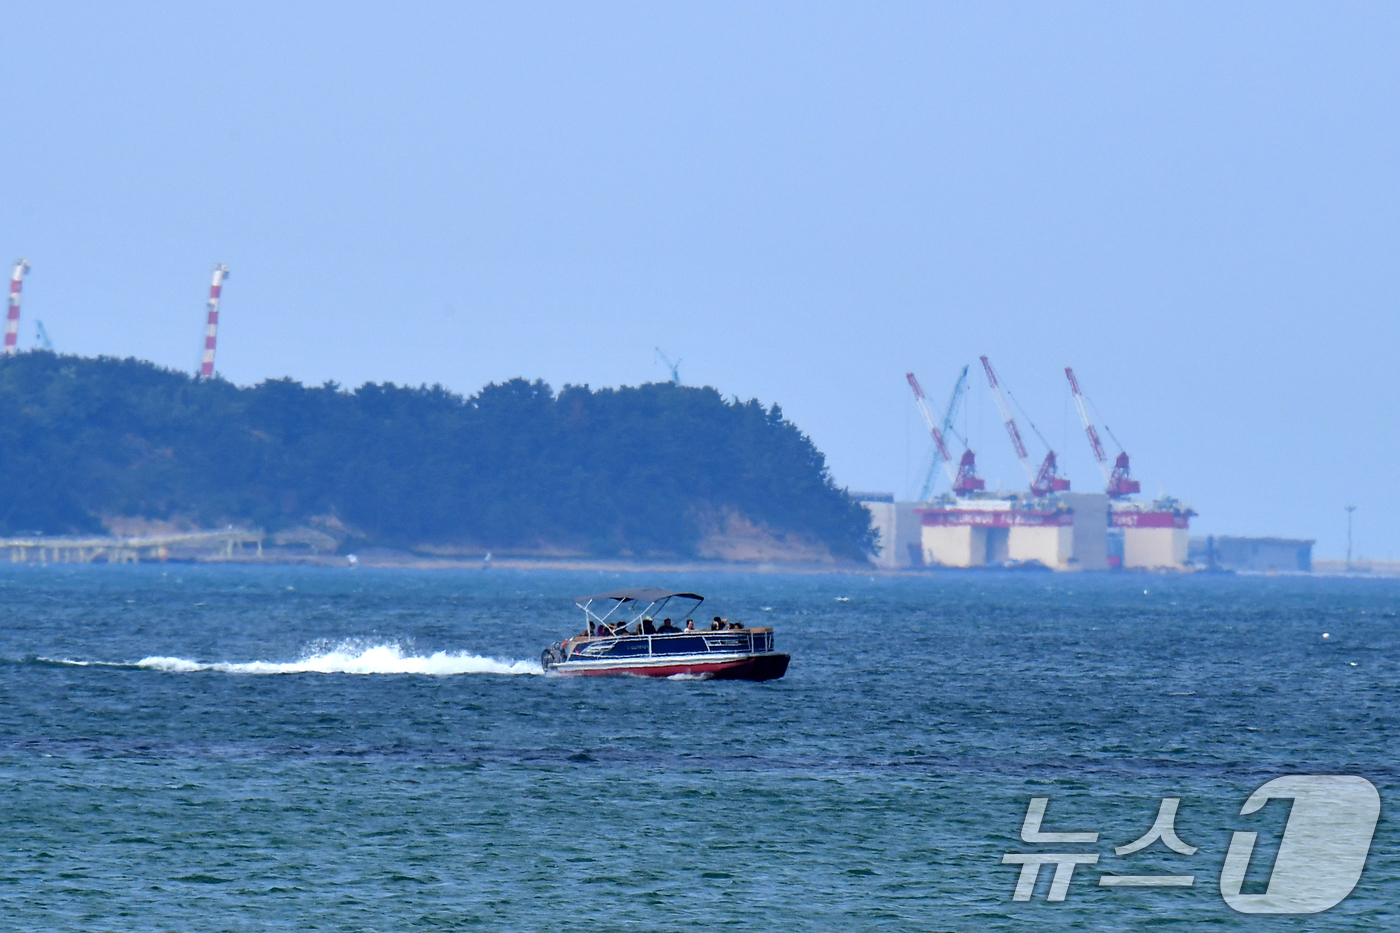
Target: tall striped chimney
<point>12,322</point>
<point>206,368</point>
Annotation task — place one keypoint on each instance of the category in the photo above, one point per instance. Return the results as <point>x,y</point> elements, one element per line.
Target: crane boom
<point>12,322</point>
<point>950,415</point>
<point>1099,456</point>
<point>1045,480</point>
<point>964,477</point>
<point>1118,481</point>
<point>940,447</point>
<point>1009,421</point>
<point>675,367</point>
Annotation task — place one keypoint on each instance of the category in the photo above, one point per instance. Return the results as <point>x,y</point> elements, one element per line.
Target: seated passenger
<point>667,627</point>
<point>648,628</point>
<point>717,624</point>
<point>735,625</point>
<point>690,625</point>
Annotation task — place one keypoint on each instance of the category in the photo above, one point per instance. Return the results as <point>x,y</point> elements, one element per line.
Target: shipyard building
<point>1072,531</point>
<point>1047,525</point>
<point>1069,531</point>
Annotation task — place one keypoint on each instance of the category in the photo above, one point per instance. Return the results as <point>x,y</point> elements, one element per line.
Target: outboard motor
<point>552,655</point>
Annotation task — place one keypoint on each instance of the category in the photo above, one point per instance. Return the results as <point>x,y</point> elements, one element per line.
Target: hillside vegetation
<point>652,470</point>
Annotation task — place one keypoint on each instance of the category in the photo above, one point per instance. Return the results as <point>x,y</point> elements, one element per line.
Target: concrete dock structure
<point>1065,532</point>
<point>1155,536</point>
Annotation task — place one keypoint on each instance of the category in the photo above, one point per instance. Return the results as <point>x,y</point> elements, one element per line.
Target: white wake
<point>346,658</point>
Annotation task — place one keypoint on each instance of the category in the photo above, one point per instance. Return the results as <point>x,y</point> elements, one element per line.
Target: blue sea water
<point>201,748</point>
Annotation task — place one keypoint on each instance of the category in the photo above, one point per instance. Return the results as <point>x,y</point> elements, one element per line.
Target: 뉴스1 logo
<point>1319,859</point>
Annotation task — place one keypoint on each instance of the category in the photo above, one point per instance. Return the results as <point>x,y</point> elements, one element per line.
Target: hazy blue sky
<point>1195,205</point>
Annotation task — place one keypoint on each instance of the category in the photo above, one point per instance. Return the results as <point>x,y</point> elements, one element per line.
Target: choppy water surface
<point>197,748</point>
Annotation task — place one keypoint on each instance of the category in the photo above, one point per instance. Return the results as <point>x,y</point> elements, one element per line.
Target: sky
<point>1194,205</point>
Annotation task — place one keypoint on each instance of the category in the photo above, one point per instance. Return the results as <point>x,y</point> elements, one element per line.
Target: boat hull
<point>743,654</point>
<point>752,667</point>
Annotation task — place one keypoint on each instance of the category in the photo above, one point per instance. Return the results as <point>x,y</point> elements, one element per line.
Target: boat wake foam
<point>345,658</point>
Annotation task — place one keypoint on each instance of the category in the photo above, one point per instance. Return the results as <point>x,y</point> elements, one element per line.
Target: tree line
<point>643,470</point>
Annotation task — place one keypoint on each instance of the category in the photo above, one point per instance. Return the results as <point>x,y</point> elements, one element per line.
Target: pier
<point>229,544</point>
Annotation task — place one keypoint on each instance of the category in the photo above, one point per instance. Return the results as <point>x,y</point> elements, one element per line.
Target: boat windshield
<point>627,607</point>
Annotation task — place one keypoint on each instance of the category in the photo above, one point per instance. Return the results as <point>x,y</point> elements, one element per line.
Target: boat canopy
<point>642,594</point>
<point>641,601</point>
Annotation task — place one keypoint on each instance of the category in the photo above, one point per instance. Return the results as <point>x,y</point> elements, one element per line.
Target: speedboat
<point>621,637</point>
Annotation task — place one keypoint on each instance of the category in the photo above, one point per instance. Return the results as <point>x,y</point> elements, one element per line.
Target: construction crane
<point>211,333</point>
<point>41,336</point>
<point>675,367</point>
<point>1045,480</point>
<point>1118,482</point>
<point>964,479</point>
<point>12,322</point>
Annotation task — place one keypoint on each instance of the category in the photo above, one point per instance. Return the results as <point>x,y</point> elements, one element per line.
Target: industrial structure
<point>673,366</point>
<point>12,321</point>
<point>41,334</point>
<point>965,479</point>
<point>1044,525</point>
<point>211,333</point>
<point>1252,555</point>
<point>897,531</point>
<point>1119,483</point>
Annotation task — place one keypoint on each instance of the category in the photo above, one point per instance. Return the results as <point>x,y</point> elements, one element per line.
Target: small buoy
<point>1325,635</point>
<point>1353,663</point>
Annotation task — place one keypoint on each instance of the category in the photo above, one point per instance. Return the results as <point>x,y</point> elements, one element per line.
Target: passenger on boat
<point>718,624</point>
<point>690,625</point>
<point>735,625</point>
<point>648,627</point>
<point>667,627</point>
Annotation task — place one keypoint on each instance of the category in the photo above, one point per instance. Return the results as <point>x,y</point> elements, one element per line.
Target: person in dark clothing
<point>717,624</point>
<point>648,628</point>
<point>667,627</point>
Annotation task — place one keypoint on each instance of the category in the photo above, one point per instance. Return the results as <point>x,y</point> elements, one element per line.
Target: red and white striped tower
<point>12,322</point>
<point>206,368</point>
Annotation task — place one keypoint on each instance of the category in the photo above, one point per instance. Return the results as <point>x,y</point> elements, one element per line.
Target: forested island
<point>652,471</point>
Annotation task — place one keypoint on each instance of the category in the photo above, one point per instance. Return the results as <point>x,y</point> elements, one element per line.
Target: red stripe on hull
<point>765,667</point>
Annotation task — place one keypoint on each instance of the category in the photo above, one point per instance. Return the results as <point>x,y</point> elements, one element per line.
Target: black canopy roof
<point>640,594</point>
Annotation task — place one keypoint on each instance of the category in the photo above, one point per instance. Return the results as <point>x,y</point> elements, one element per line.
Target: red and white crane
<point>1045,480</point>
<point>965,478</point>
<point>211,333</point>
<point>1118,482</point>
<point>12,322</point>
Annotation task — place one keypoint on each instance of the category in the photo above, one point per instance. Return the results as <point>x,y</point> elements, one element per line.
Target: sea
<point>230,748</point>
